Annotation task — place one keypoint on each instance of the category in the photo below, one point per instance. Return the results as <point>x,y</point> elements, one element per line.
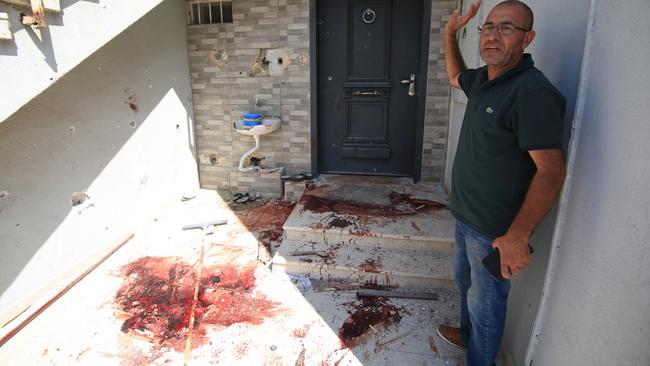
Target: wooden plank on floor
<point>19,315</point>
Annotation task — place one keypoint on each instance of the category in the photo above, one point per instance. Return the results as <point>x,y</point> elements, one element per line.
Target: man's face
<point>505,51</point>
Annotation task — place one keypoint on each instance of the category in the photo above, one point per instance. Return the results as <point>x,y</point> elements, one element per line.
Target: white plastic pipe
<point>249,153</point>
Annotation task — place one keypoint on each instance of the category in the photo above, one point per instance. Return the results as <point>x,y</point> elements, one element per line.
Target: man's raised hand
<point>456,21</point>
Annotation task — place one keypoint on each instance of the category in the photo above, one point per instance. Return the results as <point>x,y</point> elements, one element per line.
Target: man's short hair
<point>529,13</point>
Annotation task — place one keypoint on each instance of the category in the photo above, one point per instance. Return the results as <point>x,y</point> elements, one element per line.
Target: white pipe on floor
<point>249,153</point>
<point>538,326</point>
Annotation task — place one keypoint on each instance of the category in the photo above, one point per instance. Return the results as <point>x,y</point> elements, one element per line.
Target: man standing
<point>508,169</point>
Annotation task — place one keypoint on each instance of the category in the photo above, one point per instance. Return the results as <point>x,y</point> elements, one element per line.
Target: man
<point>508,169</point>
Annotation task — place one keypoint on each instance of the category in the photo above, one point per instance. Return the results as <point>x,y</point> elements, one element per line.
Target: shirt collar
<point>525,64</point>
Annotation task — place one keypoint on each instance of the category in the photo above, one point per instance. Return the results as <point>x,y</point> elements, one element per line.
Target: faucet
<point>258,103</point>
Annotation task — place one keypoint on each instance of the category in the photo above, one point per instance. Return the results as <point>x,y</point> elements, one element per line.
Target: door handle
<point>411,82</point>
<point>374,93</point>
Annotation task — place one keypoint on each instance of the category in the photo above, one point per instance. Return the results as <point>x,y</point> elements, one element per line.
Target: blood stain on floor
<point>265,219</point>
<point>401,205</point>
<point>369,315</point>
<point>339,223</point>
<point>371,265</point>
<point>156,296</point>
<point>432,345</point>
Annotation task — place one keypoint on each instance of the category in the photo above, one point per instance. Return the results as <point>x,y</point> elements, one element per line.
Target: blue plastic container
<point>251,116</point>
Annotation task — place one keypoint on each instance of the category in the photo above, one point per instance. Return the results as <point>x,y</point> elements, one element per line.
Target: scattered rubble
<point>302,282</point>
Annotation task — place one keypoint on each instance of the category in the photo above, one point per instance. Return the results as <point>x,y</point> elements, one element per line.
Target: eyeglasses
<point>503,29</point>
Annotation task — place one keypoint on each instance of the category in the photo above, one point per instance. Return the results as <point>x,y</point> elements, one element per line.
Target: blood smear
<point>155,300</point>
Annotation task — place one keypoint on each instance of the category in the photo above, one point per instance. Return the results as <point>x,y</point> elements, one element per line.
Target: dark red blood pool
<point>156,296</point>
<point>266,220</point>
<point>369,313</point>
<point>339,223</point>
<point>401,205</point>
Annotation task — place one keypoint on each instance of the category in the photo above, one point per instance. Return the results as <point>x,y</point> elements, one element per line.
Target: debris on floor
<point>245,197</point>
<point>302,282</point>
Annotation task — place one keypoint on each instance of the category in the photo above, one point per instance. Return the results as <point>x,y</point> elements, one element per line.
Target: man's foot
<point>451,335</point>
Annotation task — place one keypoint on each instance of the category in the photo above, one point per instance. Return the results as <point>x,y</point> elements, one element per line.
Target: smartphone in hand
<point>492,262</point>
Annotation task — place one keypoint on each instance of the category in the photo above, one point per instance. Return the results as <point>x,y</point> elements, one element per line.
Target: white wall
<point>557,50</point>
<point>599,302</point>
<point>81,135</point>
<point>468,43</point>
<point>35,59</point>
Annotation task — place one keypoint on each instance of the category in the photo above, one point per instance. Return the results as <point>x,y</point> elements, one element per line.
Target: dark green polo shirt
<point>505,118</point>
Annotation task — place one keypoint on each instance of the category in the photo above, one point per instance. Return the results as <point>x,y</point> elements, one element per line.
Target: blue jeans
<point>483,300</point>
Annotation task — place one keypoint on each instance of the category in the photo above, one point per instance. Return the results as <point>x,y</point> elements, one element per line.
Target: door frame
<point>420,88</point>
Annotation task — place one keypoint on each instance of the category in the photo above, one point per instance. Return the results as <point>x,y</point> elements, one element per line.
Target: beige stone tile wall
<point>436,120</point>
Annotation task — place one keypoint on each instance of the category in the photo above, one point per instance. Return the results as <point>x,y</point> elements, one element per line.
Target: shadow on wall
<point>116,130</point>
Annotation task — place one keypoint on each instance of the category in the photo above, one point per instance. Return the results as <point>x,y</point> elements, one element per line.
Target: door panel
<point>366,118</point>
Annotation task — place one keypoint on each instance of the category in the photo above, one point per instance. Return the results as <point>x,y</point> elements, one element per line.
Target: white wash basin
<point>269,124</point>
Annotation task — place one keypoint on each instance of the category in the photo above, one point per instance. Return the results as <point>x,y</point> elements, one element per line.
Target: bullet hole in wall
<point>218,57</point>
<point>210,158</point>
<point>78,198</point>
<point>260,65</point>
<point>269,62</point>
<point>303,59</point>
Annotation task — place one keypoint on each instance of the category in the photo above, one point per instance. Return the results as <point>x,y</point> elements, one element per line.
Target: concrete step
<point>373,211</point>
<point>346,262</point>
<point>425,231</point>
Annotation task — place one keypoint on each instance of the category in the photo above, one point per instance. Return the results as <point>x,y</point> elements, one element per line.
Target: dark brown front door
<point>368,75</point>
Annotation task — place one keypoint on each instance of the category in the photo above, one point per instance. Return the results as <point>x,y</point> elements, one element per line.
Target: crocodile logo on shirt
<point>489,110</point>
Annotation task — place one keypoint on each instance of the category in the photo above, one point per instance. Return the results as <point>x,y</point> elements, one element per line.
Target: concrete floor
<point>300,325</point>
